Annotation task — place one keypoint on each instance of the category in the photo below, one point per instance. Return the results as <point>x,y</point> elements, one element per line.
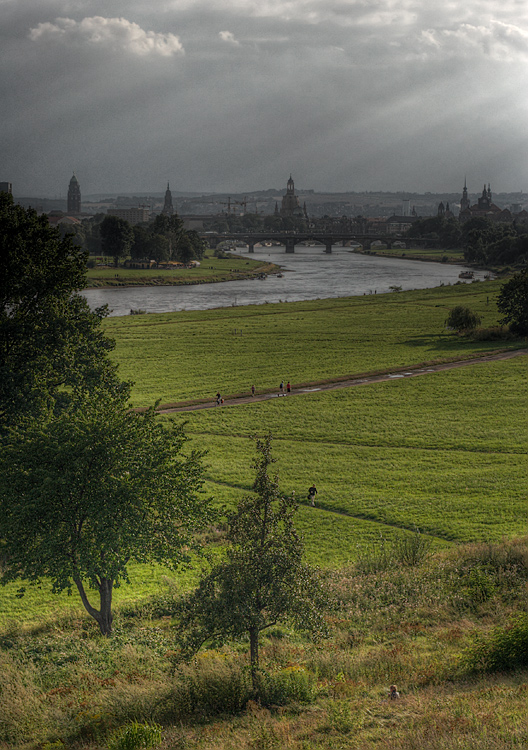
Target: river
<point>309,273</point>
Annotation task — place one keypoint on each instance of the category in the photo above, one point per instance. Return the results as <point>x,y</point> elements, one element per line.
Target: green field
<point>445,452</point>
<point>433,452</point>
<point>186,355</point>
<point>210,269</point>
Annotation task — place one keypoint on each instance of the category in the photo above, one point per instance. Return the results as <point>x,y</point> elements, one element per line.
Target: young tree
<point>116,237</point>
<point>91,491</point>
<point>51,344</point>
<point>262,580</point>
<point>513,302</point>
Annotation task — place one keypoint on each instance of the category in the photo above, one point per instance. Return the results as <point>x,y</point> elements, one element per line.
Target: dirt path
<point>365,380</point>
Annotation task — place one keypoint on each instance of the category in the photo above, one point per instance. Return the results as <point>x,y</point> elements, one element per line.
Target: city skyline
<point>390,95</point>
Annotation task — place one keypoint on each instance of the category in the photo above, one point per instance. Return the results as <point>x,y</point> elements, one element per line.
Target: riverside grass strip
<point>192,355</point>
<point>210,269</point>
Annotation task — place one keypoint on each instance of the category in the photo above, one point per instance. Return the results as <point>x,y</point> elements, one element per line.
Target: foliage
<point>447,230</point>
<point>462,318</point>
<point>513,302</point>
<point>90,491</point>
<point>166,239</point>
<point>504,649</point>
<point>116,237</point>
<point>51,345</point>
<point>135,736</point>
<point>263,579</point>
<point>495,243</point>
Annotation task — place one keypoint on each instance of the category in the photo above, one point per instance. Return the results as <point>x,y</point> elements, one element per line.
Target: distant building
<point>138,215</point>
<point>485,208</point>
<point>168,208</point>
<point>74,197</point>
<point>6,187</point>
<point>290,205</point>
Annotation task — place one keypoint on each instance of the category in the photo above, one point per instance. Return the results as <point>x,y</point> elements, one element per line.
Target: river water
<point>309,273</point>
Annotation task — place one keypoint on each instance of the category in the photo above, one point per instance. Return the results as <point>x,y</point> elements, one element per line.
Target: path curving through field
<point>307,389</point>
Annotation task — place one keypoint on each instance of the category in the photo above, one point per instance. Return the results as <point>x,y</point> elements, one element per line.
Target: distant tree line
<point>483,241</point>
<point>165,239</point>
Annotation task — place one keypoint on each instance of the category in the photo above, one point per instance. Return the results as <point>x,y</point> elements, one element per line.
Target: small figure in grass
<point>288,387</point>
<point>312,492</point>
<point>393,693</point>
<point>252,390</point>
<point>281,387</point>
<point>218,399</point>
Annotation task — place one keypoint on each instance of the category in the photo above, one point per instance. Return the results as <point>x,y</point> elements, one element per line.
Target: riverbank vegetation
<point>210,269</point>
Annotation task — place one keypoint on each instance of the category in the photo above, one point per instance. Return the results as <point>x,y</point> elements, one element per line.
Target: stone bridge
<point>291,239</point>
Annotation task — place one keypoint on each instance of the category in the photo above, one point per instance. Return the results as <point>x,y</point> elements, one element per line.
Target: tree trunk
<point>103,616</point>
<point>254,656</point>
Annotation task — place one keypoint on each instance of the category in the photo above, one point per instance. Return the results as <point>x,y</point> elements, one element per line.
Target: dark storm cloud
<point>346,94</point>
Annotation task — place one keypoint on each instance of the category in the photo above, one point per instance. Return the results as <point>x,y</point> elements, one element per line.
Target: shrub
<point>212,685</point>
<point>290,684</point>
<point>506,648</point>
<point>462,319</point>
<point>412,549</point>
<point>493,333</point>
<point>135,737</point>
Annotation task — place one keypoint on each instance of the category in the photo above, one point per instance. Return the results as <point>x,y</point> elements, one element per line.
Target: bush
<point>462,319</point>
<point>212,685</point>
<point>505,649</point>
<point>290,684</point>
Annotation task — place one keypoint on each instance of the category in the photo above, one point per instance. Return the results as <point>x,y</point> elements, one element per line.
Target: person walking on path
<point>281,387</point>
<point>252,390</point>
<point>288,387</point>
<point>312,492</point>
<point>218,399</point>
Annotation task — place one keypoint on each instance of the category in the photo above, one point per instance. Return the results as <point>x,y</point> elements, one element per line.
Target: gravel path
<point>365,380</point>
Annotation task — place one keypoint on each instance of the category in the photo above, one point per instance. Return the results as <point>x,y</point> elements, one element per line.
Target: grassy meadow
<point>444,452</point>
<point>192,355</point>
<point>210,269</point>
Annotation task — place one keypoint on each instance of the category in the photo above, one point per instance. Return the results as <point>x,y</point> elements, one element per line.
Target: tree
<point>462,318</point>
<point>51,344</point>
<point>513,302</point>
<point>91,491</point>
<point>116,237</point>
<point>262,580</point>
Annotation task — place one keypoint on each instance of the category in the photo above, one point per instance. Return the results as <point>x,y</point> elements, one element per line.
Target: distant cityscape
<point>377,207</point>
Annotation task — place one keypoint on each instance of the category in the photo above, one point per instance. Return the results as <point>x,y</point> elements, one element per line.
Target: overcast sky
<point>233,95</point>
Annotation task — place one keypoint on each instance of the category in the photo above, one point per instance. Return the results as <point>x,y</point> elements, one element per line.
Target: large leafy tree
<point>93,490</point>
<point>262,579</point>
<point>117,237</point>
<point>51,344</point>
<point>513,302</point>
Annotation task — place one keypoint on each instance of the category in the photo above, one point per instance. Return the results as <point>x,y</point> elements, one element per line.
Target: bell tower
<point>168,208</point>
<point>74,196</point>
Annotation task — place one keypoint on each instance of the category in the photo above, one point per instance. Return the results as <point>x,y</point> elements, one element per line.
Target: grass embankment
<point>445,452</point>
<point>210,269</point>
<point>436,254</point>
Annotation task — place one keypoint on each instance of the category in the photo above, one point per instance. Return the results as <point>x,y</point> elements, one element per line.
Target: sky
<point>234,95</point>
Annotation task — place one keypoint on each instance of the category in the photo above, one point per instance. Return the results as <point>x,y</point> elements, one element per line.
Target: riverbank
<point>210,271</point>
